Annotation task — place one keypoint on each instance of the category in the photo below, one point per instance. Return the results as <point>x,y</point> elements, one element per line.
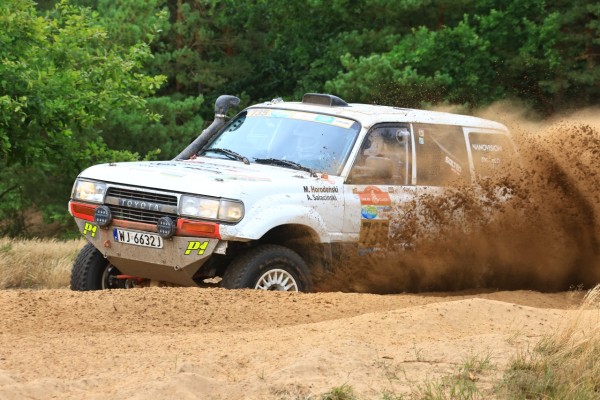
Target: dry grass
<point>564,365</point>
<point>38,263</point>
<point>463,384</point>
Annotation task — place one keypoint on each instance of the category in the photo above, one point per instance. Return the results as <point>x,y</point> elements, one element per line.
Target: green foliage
<point>197,50</point>
<point>60,75</point>
<point>515,49</point>
<point>403,52</point>
<point>180,123</point>
<point>397,52</point>
<point>133,21</point>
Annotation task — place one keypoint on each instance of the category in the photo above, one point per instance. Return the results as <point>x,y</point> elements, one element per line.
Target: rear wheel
<point>268,267</point>
<point>91,271</point>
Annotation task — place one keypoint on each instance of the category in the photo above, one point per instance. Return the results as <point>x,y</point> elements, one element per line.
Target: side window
<point>441,155</point>
<point>491,152</point>
<point>384,157</point>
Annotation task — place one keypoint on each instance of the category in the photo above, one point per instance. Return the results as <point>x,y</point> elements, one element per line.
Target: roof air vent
<point>323,100</point>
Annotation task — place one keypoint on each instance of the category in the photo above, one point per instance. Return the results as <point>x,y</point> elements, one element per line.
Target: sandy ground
<point>178,343</point>
<point>188,343</point>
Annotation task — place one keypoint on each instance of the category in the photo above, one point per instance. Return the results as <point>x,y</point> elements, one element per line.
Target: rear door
<point>441,156</point>
<point>443,167</point>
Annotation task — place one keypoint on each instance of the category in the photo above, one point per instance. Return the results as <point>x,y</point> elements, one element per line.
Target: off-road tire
<point>246,270</point>
<point>88,269</point>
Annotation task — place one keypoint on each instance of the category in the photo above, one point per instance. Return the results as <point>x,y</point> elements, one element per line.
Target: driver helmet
<point>376,144</point>
<point>306,143</point>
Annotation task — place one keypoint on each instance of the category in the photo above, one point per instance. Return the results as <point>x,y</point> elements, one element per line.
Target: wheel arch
<point>304,241</point>
<point>287,234</point>
<point>262,220</point>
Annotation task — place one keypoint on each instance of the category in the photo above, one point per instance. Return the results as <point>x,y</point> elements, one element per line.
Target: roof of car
<point>369,115</point>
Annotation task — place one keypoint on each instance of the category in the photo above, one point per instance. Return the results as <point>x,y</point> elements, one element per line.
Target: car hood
<point>219,178</point>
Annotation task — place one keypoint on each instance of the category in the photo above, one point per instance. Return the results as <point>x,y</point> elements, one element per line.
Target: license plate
<point>138,238</point>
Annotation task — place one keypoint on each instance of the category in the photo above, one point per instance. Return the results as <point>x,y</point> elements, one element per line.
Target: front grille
<point>148,217</point>
<point>137,206</point>
<point>143,196</point>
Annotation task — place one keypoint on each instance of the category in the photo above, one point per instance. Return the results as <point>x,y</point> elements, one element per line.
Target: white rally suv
<point>266,198</point>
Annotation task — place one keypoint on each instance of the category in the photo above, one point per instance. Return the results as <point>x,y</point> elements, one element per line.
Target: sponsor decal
<point>374,233</point>
<point>301,115</point>
<point>326,119</point>
<point>173,174</point>
<point>89,229</point>
<point>259,112</point>
<point>241,177</point>
<point>369,211</point>
<point>226,173</point>
<point>196,247</point>
<point>490,160</point>
<point>486,147</point>
<point>326,178</point>
<point>375,204</point>
<point>456,168</point>
<point>328,193</point>
<point>375,196</point>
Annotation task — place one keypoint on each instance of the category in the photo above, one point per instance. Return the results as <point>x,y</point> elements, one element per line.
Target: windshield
<point>314,141</point>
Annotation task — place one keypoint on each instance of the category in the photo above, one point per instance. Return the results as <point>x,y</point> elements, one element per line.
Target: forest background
<point>90,81</point>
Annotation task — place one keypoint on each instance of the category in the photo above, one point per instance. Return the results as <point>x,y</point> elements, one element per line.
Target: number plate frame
<point>137,238</point>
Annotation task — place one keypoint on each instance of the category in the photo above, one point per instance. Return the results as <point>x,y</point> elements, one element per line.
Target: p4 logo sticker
<point>89,229</point>
<point>196,248</point>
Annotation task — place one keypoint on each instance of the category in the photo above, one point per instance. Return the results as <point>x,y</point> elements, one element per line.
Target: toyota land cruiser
<point>260,200</point>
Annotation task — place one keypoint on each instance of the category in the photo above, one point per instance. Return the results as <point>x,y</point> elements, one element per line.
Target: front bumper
<point>176,262</point>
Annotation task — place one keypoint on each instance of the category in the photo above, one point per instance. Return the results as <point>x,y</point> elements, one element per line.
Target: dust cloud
<point>533,225</point>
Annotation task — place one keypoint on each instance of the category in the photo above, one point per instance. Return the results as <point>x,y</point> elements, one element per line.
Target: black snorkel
<point>222,105</point>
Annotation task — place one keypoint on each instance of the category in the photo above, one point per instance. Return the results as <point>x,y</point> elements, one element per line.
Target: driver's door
<point>380,181</point>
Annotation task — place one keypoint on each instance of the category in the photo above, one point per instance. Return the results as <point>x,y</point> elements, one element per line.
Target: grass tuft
<point>292,392</point>
<point>460,385</point>
<point>564,365</point>
<point>344,392</point>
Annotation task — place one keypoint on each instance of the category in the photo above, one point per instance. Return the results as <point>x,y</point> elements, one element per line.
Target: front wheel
<point>91,271</point>
<point>268,267</point>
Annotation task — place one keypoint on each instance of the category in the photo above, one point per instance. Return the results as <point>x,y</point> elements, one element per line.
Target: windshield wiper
<point>283,163</point>
<point>229,153</point>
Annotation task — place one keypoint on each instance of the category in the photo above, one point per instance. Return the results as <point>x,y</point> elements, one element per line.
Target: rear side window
<point>491,152</point>
<point>441,155</point>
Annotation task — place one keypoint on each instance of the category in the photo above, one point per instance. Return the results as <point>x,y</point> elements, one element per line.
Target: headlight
<point>231,211</point>
<point>202,207</point>
<point>89,191</point>
<point>199,207</point>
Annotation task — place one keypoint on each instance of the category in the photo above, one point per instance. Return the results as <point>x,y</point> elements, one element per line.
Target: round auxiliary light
<point>102,216</point>
<point>166,227</point>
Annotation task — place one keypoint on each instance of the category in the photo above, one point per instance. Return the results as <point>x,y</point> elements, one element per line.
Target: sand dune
<point>167,343</point>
